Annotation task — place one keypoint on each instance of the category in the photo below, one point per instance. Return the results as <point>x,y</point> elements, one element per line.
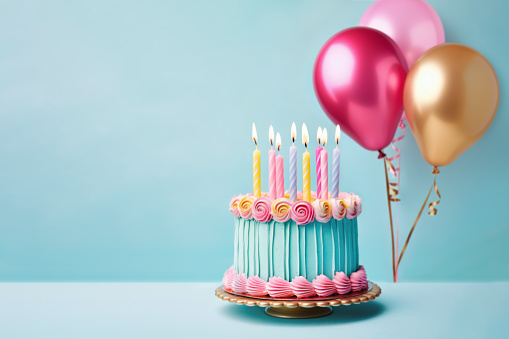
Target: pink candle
<point>272,166</point>
<point>324,168</point>
<point>318,167</point>
<point>280,170</point>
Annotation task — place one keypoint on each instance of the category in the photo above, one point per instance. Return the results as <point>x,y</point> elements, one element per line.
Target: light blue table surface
<point>183,310</point>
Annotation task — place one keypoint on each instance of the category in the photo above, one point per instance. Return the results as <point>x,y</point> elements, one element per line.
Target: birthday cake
<point>295,244</point>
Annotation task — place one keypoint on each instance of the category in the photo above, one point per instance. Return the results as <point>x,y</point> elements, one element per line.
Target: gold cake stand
<point>300,308</point>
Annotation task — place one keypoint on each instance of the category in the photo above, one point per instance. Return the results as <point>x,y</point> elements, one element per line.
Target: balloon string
<point>397,174</point>
<point>435,171</point>
<point>390,214</point>
<point>433,210</point>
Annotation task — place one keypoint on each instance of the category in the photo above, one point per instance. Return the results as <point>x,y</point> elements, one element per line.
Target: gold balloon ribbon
<point>401,126</point>
<point>393,186</point>
<point>433,210</point>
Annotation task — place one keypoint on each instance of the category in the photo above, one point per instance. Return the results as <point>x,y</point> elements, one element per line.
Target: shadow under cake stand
<point>303,307</point>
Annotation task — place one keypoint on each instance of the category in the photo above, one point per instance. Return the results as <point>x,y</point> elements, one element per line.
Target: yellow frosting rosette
<point>280,209</point>
<point>245,206</point>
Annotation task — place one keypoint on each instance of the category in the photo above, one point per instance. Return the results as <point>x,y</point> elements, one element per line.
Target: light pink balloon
<point>413,24</point>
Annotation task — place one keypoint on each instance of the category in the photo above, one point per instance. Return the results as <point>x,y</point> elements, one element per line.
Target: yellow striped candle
<point>257,188</point>
<point>306,169</point>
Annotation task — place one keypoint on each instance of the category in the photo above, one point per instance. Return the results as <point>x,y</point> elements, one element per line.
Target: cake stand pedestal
<point>301,308</point>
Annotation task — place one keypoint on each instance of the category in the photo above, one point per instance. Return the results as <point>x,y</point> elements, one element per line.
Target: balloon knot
<point>435,170</point>
<point>381,154</point>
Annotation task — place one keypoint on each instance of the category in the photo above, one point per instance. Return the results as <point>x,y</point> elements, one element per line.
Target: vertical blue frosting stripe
<point>302,245</point>
<point>236,246</point>
<point>337,252</point>
<point>263,243</point>
<point>240,264</point>
<point>279,249</point>
<point>346,229</point>
<point>294,249</point>
<point>256,251</point>
<point>271,248</point>
<point>287,252</point>
<point>319,247</point>
<point>247,225</point>
<point>251,249</point>
<point>310,256</point>
<point>356,244</point>
<point>342,247</point>
<point>333,230</point>
<point>348,235</point>
<point>327,246</point>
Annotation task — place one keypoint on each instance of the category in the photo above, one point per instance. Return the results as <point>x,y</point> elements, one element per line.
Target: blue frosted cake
<point>301,249</point>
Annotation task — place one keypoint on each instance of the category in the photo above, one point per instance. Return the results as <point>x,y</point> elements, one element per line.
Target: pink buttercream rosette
<point>324,287</point>
<point>261,209</point>
<point>228,278</point>
<point>279,288</point>
<point>239,283</point>
<point>256,286</point>
<point>323,210</point>
<point>359,279</point>
<point>280,209</point>
<point>342,283</point>
<point>246,206</point>
<point>302,212</point>
<point>302,288</point>
<point>234,205</point>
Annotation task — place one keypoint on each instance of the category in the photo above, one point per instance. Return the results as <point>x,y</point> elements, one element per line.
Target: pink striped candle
<point>272,166</point>
<point>280,170</point>
<point>324,168</point>
<point>318,167</point>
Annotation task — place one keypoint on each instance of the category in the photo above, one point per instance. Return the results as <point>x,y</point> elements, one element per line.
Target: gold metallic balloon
<point>450,98</point>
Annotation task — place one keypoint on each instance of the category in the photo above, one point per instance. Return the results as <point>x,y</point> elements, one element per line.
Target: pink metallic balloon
<point>359,77</point>
<point>413,24</point>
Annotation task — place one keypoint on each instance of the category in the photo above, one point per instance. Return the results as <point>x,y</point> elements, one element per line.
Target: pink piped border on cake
<point>300,287</point>
<point>263,209</point>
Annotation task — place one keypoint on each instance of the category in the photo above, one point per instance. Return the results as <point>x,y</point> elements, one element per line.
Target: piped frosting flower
<point>279,288</point>
<point>323,210</point>
<point>256,286</point>
<point>280,209</point>
<point>239,283</point>
<point>302,212</point>
<point>359,280</point>
<point>302,288</point>
<point>246,206</point>
<point>261,209</point>
<point>234,205</point>
<point>357,202</point>
<point>228,278</point>
<point>350,207</point>
<point>324,287</point>
<point>342,283</point>
<point>338,208</point>
<point>363,275</point>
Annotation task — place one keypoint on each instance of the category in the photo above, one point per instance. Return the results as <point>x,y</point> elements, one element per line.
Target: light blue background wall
<point>125,130</point>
